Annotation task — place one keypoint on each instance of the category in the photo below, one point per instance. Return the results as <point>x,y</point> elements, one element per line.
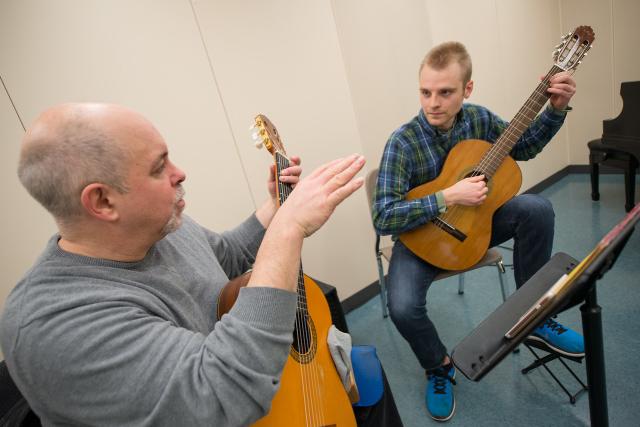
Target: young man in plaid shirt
<point>415,154</point>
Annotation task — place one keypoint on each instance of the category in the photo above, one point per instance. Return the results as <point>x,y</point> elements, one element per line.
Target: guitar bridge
<point>439,222</point>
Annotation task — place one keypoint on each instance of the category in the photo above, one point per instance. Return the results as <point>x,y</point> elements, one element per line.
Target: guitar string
<point>282,193</point>
<point>492,159</point>
<point>312,366</point>
<point>301,337</point>
<point>313,369</point>
<point>533,105</point>
<point>307,403</point>
<point>495,154</point>
<point>309,371</point>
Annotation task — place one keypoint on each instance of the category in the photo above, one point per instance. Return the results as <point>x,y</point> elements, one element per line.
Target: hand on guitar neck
<point>472,191</point>
<point>289,176</point>
<point>562,87</point>
<point>306,209</point>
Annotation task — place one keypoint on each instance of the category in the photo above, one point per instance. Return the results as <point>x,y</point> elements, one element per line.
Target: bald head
<point>72,145</point>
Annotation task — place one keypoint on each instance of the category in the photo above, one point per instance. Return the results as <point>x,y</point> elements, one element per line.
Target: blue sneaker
<point>440,400</point>
<point>559,338</point>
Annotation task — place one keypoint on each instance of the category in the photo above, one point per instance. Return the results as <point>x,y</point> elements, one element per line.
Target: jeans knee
<point>402,315</point>
<point>539,211</point>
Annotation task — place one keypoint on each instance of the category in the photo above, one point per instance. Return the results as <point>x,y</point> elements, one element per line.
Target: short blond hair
<point>442,55</point>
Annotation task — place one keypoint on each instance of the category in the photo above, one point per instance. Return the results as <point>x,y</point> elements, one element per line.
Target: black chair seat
<point>603,154</point>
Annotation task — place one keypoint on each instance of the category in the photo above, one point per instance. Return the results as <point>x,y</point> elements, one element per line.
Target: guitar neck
<point>284,190</point>
<point>518,125</point>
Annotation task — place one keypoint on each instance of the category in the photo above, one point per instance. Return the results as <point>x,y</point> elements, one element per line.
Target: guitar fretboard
<point>284,190</point>
<point>518,125</point>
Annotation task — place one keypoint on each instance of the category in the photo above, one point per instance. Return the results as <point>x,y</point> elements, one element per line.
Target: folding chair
<point>491,258</point>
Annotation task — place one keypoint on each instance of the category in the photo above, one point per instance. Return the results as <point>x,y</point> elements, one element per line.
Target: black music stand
<point>478,353</point>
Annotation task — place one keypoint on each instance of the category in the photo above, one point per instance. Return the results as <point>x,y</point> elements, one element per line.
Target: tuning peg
<point>257,140</point>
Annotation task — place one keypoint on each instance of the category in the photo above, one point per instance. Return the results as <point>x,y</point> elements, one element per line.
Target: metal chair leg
<point>383,287</point>
<point>501,272</point>
<point>460,283</point>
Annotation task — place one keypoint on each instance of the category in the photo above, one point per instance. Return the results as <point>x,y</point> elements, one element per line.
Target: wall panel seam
<point>224,107</point>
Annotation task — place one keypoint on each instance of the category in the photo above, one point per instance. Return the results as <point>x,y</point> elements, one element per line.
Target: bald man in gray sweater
<point>115,324</point>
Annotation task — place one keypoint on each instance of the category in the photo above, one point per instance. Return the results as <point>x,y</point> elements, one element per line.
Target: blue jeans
<point>528,219</point>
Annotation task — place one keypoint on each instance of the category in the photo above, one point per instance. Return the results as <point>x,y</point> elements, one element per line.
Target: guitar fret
<point>312,377</point>
<point>284,190</point>
<point>518,125</point>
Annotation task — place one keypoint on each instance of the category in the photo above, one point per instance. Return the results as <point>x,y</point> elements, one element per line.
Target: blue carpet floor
<point>505,396</point>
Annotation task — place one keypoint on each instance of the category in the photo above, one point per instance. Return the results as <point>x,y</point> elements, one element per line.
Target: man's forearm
<point>278,259</point>
<point>266,212</point>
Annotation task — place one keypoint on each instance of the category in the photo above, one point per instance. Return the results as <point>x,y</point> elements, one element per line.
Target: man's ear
<point>97,200</point>
<point>468,89</point>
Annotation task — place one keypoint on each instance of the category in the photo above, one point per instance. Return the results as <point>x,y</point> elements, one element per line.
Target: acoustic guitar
<point>459,238</point>
<point>311,393</point>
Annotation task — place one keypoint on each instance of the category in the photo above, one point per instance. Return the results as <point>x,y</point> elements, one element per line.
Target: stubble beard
<point>175,221</point>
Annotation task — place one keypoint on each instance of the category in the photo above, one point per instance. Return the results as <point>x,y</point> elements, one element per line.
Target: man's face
<point>442,93</point>
<point>154,203</point>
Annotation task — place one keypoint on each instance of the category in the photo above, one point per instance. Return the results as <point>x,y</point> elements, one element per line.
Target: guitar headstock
<point>574,46</point>
<point>264,133</point>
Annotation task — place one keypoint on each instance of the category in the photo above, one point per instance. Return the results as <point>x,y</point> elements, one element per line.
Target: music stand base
<point>552,355</point>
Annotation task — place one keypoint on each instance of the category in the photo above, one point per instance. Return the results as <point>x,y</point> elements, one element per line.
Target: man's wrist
<point>442,205</point>
<point>266,211</point>
<point>566,109</point>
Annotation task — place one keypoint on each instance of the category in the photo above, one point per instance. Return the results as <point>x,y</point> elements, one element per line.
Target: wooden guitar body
<point>440,248</point>
<point>458,238</point>
<point>311,393</point>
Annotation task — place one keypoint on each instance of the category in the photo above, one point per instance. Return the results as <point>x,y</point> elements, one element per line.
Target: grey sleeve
<point>236,249</point>
<point>130,367</point>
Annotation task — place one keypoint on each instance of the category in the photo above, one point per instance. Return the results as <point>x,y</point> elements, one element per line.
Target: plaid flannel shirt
<point>416,152</point>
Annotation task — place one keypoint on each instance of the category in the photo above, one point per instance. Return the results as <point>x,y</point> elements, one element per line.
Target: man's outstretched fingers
<point>323,168</point>
<point>343,172</point>
<point>345,191</point>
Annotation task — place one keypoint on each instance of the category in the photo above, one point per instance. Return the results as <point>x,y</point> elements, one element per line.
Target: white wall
<point>335,77</point>
<point>613,59</point>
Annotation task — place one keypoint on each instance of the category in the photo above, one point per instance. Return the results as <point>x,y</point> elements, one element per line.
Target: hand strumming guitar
<point>470,191</point>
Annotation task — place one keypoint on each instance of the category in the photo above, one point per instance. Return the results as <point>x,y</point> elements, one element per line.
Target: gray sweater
<point>96,342</point>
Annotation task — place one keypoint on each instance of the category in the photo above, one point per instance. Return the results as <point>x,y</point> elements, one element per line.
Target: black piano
<point>619,146</point>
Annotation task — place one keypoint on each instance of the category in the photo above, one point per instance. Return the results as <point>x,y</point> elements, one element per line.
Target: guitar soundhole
<point>477,173</point>
<point>487,178</point>
<point>305,341</point>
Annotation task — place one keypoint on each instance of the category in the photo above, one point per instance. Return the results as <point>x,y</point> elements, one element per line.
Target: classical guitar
<point>311,393</point>
<point>458,238</point>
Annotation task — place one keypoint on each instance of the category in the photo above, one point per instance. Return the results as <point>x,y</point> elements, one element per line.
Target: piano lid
<point>625,129</point>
